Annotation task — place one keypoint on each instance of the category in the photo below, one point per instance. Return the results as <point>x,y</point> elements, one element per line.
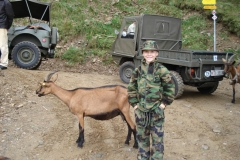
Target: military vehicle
<point>30,43</point>
<point>200,69</point>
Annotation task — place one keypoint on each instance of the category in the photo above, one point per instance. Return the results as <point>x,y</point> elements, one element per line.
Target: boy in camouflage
<point>150,90</point>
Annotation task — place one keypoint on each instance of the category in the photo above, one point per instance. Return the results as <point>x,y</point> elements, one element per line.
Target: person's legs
<point>4,47</point>
<point>157,133</point>
<point>143,136</point>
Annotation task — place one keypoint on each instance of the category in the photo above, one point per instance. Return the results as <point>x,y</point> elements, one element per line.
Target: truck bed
<point>191,58</point>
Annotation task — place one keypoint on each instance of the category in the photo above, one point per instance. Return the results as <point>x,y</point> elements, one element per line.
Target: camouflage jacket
<point>150,85</point>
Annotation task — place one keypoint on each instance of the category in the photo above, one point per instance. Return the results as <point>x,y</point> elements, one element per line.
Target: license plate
<point>217,72</point>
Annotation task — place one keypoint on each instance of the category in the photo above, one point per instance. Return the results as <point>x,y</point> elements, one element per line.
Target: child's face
<point>150,55</point>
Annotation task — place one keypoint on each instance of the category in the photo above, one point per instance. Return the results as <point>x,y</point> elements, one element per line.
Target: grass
<point>95,21</point>
<point>193,28</point>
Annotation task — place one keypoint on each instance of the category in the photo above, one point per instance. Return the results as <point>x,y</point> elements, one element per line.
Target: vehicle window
<point>129,29</point>
<point>162,27</point>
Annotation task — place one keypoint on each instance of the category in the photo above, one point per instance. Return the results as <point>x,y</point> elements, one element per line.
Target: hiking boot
<point>3,67</point>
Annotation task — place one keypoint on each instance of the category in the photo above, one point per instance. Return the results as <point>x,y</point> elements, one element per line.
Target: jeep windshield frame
<point>32,9</point>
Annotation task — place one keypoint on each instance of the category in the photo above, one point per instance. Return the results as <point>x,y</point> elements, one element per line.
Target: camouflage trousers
<point>150,134</point>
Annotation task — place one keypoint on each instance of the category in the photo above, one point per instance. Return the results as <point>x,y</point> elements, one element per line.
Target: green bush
<point>74,55</point>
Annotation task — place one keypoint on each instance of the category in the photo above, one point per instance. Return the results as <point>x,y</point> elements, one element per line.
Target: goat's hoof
<point>135,146</point>
<point>233,101</point>
<point>126,143</point>
<point>80,145</point>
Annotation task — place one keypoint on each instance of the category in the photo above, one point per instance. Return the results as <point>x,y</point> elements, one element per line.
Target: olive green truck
<point>200,69</point>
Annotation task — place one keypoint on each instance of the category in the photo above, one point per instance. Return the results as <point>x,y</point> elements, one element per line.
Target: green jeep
<point>28,44</point>
<point>200,69</point>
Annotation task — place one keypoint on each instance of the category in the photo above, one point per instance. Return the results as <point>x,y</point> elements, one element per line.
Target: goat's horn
<point>231,58</point>
<point>226,57</point>
<point>49,76</point>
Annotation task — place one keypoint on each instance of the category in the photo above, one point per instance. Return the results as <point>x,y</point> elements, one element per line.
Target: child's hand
<point>135,107</point>
<point>162,106</point>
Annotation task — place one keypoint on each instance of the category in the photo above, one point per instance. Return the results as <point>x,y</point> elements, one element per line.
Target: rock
<point>40,142</point>
<point>19,106</point>
<point>216,131</point>
<point>204,146</point>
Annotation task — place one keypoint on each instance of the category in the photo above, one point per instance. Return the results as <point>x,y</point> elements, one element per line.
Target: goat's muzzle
<point>40,95</point>
<point>39,89</point>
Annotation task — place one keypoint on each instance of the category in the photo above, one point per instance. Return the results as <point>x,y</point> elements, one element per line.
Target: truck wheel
<point>208,90</point>
<point>26,55</point>
<point>179,86</point>
<point>126,70</point>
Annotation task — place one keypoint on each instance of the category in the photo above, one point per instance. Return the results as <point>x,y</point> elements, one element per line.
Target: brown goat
<point>102,103</point>
<point>233,72</point>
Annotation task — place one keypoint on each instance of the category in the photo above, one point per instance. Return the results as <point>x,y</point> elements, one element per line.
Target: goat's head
<point>45,86</point>
<point>228,64</point>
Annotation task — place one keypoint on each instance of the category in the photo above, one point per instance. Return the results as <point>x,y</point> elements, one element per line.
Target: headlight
<point>207,74</point>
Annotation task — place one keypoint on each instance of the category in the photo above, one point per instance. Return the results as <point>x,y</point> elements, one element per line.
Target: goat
<point>101,103</point>
<point>233,72</point>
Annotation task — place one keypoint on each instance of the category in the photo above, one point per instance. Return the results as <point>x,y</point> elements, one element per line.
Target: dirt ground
<point>198,127</point>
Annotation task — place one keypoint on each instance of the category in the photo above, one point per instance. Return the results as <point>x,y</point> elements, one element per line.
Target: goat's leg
<point>128,135</point>
<point>131,124</point>
<point>130,131</point>
<point>233,100</point>
<point>80,139</point>
<point>135,145</point>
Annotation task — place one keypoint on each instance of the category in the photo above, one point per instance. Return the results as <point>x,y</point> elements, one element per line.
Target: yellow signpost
<point>209,7</point>
<point>208,2</point>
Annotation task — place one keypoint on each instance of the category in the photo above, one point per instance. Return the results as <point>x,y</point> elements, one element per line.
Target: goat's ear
<point>54,77</point>
<point>224,60</point>
<point>233,62</point>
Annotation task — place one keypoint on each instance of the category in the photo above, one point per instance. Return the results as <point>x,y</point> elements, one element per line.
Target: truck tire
<point>26,55</point>
<point>126,70</point>
<point>179,86</point>
<point>208,90</point>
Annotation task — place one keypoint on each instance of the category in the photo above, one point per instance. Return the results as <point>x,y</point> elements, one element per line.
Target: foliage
<point>235,51</point>
<point>95,21</point>
<point>74,55</point>
<point>193,28</point>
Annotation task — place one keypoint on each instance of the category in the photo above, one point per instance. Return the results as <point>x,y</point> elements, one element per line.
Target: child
<point>150,91</point>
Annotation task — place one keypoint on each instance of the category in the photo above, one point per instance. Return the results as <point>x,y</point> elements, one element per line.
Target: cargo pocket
<point>140,118</point>
<point>158,116</point>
